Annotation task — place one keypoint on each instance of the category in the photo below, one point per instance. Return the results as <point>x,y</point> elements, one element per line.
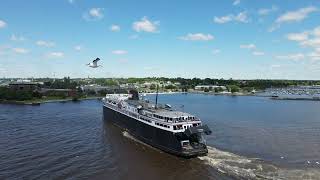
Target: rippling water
<point>255,137</point>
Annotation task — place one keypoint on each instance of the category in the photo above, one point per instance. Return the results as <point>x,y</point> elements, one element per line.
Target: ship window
<point>185,143</point>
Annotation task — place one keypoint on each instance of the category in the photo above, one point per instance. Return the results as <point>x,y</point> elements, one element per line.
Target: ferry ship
<point>160,126</point>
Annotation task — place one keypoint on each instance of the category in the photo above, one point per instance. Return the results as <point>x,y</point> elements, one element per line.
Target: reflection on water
<point>71,140</point>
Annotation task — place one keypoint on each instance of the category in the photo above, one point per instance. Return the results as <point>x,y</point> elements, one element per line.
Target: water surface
<point>71,140</point>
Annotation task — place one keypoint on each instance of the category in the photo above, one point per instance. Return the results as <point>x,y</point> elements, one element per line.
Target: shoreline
<point>153,93</point>
<point>205,93</point>
<point>295,99</point>
<point>39,101</point>
<point>221,94</point>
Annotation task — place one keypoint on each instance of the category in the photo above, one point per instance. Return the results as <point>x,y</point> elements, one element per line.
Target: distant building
<point>2,83</point>
<point>129,86</point>
<point>96,88</point>
<point>202,87</point>
<point>24,86</point>
<point>149,84</point>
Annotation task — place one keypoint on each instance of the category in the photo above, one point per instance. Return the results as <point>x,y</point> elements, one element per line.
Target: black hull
<point>161,139</point>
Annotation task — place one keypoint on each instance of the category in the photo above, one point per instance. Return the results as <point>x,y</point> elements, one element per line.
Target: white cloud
<point>248,46</point>
<point>296,16</point>
<point>96,12</point>
<point>216,51</point>
<point>294,57</point>
<point>241,17</point>
<point>309,38</point>
<point>119,52</point>
<point>197,37</point>
<point>114,28</point>
<point>20,50</point>
<point>314,55</point>
<point>145,25</point>
<point>223,19</point>
<point>17,38</point>
<point>266,11</point>
<point>56,55</point>
<point>3,24</point>
<point>315,43</point>
<point>236,2</point>
<point>298,36</point>
<point>78,48</point>
<point>253,49</point>
<point>93,14</point>
<point>293,16</point>
<point>45,43</point>
<point>316,31</point>
<point>258,53</point>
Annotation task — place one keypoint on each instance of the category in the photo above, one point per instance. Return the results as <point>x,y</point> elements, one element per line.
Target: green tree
<point>153,86</point>
<point>234,88</point>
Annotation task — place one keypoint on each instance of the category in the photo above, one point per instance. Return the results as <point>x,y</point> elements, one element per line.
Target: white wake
<point>242,167</point>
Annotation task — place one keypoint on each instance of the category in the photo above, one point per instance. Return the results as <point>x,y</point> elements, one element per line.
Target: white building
<point>202,87</point>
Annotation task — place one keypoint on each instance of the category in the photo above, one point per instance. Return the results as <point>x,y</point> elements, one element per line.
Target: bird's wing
<point>96,60</point>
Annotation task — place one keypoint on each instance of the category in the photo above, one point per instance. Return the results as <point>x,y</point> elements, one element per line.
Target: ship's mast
<point>157,96</point>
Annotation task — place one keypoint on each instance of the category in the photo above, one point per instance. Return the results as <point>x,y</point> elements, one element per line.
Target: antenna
<point>157,96</point>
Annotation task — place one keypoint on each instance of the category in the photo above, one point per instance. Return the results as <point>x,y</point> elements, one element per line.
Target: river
<point>253,138</point>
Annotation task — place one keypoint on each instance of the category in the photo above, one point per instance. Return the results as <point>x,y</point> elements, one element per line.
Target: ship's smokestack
<point>134,94</point>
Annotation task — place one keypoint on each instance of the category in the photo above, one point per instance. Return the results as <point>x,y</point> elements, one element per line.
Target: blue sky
<point>240,39</point>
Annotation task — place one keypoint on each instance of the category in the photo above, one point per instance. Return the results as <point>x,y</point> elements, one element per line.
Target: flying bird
<point>94,63</point>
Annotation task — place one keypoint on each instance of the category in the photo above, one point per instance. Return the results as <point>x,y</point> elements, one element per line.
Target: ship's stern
<point>193,142</point>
